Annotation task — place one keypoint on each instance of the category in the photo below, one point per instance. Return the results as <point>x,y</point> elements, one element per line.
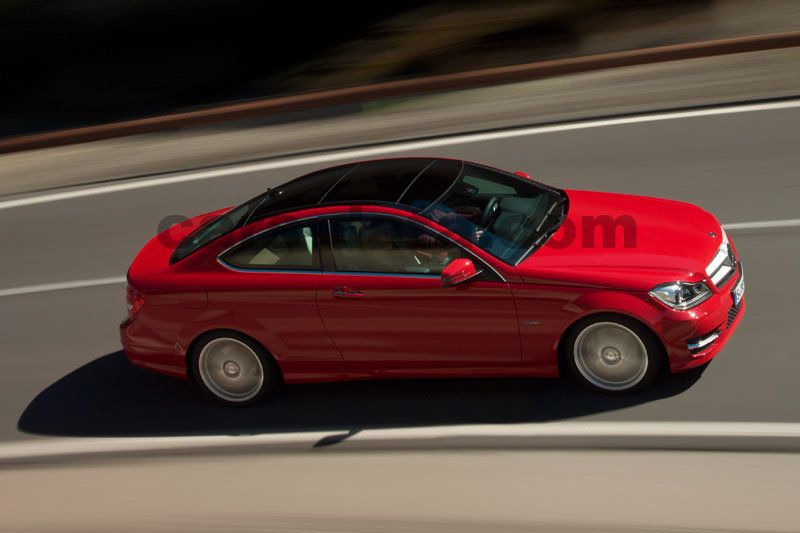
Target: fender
<point>632,304</point>
<point>211,319</point>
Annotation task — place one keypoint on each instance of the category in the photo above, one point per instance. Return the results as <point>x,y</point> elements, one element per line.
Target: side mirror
<point>459,271</point>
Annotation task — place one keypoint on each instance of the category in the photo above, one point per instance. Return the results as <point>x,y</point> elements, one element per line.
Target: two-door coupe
<point>428,267</point>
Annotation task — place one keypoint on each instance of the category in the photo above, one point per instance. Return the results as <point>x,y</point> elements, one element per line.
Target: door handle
<point>347,292</point>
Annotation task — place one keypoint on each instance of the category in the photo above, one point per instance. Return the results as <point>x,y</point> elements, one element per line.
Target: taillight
<point>135,301</point>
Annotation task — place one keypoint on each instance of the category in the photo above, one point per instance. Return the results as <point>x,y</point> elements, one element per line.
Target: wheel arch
<point>561,355</point>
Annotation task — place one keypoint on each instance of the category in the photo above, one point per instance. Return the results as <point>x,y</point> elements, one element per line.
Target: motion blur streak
<point>362,153</point>
<point>765,224</point>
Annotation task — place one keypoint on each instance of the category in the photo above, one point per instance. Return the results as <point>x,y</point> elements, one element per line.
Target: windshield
<point>503,214</point>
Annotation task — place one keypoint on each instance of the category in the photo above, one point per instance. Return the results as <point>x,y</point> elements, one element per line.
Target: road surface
<point>61,299</point>
<point>64,375</point>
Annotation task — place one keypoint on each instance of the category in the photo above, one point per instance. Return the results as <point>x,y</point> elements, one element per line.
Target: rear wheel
<point>613,354</point>
<point>233,369</point>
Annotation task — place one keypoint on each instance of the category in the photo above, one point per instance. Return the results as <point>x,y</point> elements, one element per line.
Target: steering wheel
<point>491,212</point>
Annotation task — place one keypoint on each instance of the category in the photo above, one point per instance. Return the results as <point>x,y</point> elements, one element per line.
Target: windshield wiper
<point>549,212</point>
<point>544,235</point>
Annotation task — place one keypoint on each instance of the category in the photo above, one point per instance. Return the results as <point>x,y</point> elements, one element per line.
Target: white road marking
<point>719,432</point>
<point>360,153</point>
<point>787,223</point>
<point>30,289</point>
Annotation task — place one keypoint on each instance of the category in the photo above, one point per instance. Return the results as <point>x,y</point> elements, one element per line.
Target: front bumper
<point>694,337</point>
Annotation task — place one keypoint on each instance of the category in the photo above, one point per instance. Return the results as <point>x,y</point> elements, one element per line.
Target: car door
<point>382,301</point>
<point>270,286</point>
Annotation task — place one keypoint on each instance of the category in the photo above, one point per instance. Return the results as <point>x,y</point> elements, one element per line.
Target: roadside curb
<point>726,436</point>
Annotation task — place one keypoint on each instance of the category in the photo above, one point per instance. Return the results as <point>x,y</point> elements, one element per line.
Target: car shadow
<point>110,397</point>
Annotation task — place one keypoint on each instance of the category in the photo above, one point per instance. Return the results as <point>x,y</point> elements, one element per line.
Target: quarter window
<point>389,246</point>
<point>292,248</point>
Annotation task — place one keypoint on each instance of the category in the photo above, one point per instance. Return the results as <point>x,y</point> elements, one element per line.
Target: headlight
<point>681,294</point>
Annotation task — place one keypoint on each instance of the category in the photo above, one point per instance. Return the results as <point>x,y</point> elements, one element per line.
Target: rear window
<point>377,181</point>
<point>304,191</point>
<point>216,228</point>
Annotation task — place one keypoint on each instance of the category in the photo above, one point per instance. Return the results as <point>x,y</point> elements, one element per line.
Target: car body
<point>432,267</point>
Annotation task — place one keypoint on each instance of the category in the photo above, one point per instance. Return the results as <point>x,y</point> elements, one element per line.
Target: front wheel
<point>233,368</point>
<point>613,354</point>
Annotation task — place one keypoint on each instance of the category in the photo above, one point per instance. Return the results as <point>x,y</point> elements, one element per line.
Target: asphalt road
<point>63,373</point>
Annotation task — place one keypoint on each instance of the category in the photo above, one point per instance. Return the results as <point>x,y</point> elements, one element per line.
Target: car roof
<point>378,181</point>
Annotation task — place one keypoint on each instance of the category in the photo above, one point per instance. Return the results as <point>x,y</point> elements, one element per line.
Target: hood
<point>625,242</point>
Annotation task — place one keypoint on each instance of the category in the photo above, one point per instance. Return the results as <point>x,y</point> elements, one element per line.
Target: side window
<point>292,248</point>
<point>388,246</point>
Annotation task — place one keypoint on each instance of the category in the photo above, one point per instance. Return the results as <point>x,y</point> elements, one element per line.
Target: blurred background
<point>75,62</point>
<point>115,115</point>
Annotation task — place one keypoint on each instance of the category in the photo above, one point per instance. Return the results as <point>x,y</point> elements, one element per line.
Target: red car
<point>427,267</point>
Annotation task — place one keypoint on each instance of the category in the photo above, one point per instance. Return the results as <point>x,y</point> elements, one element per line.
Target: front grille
<point>732,312</point>
<point>722,266</point>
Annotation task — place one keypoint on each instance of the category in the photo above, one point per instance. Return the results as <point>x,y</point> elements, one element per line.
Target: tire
<point>613,354</point>
<point>233,368</point>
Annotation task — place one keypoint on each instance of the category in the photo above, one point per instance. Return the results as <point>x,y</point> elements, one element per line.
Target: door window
<point>389,246</point>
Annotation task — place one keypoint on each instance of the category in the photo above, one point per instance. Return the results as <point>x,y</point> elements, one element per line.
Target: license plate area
<point>738,290</point>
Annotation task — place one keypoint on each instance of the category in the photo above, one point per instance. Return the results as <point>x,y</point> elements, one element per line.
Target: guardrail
<point>399,88</point>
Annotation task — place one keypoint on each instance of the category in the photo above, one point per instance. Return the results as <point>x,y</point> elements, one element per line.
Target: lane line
<point>401,146</point>
<point>787,223</point>
<point>704,433</point>
<point>30,289</point>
